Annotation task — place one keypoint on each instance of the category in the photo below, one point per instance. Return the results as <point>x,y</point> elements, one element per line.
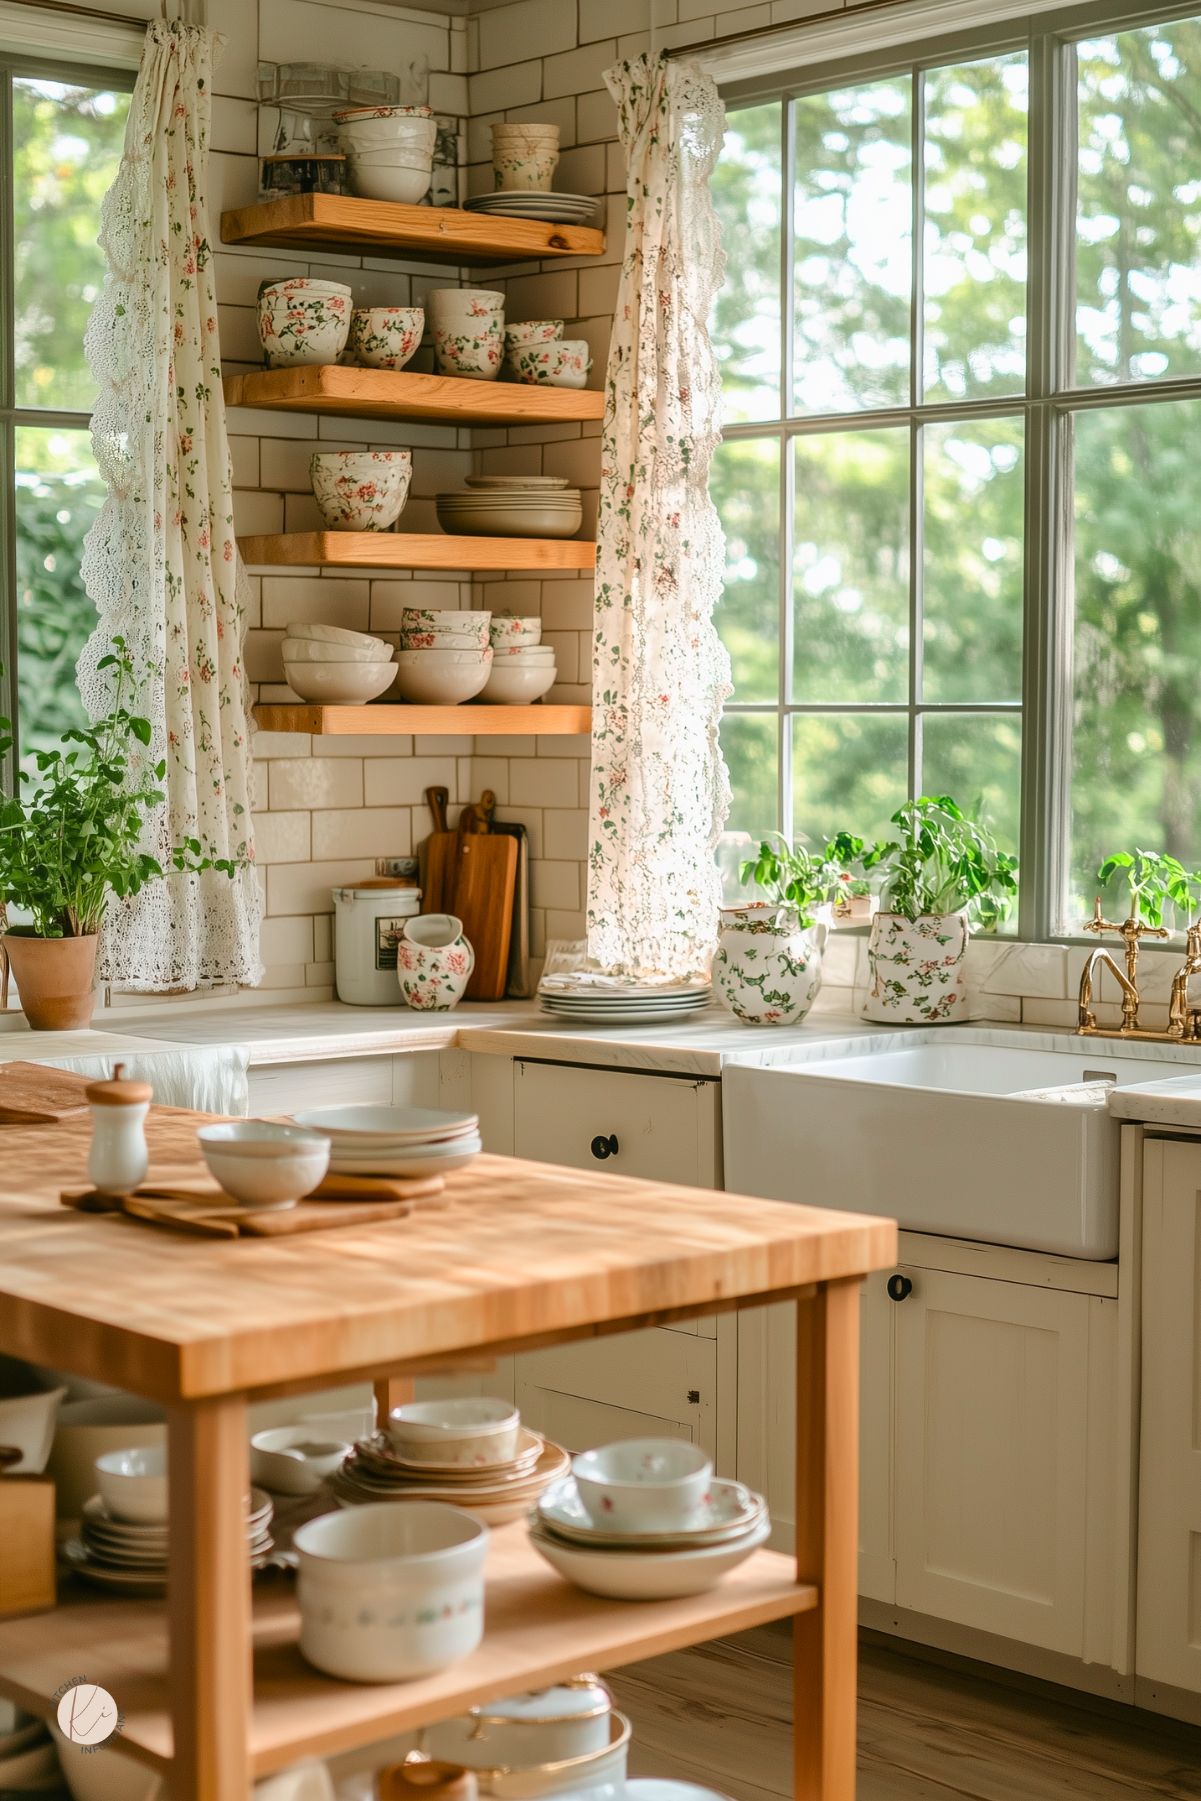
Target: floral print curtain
<point>660,673</point>
<point>161,562</point>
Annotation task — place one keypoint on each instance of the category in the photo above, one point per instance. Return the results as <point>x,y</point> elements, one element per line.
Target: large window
<point>61,133</point>
<point>961,480</point>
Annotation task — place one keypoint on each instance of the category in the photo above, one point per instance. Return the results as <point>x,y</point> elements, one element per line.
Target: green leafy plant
<point>941,862</point>
<point>1155,882</point>
<point>70,836</point>
<point>793,876</point>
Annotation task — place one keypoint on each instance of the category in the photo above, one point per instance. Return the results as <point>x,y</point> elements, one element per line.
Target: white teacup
<point>433,962</point>
<point>643,1484</point>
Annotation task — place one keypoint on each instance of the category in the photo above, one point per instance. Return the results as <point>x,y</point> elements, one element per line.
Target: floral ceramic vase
<point>768,967</point>
<point>433,962</point>
<point>917,969</point>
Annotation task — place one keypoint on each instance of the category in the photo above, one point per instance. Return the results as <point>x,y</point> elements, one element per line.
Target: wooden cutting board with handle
<point>472,873</point>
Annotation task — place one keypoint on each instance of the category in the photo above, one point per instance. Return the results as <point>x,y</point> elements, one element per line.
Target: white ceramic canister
<point>570,1720</point>
<point>917,969</point>
<point>118,1159</point>
<point>368,921</point>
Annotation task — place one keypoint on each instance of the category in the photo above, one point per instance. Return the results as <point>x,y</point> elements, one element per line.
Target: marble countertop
<point>1176,1101</point>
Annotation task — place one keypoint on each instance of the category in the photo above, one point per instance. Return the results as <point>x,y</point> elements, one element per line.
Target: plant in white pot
<point>69,838</point>
<point>942,877</point>
<point>768,963</point>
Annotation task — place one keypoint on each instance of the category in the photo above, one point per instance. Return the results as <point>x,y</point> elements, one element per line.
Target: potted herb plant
<point>942,877</point>
<point>768,963</point>
<point>69,838</point>
<point>1155,881</point>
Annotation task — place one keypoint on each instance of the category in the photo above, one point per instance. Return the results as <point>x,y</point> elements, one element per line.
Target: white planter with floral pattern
<point>433,962</point>
<point>917,969</point>
<point>767,967</point>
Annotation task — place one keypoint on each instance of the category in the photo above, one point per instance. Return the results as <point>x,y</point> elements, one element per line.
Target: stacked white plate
<point>118,1554</point>
<point>591,998</point>
<point>395,1141</point>
<point>495,1493</point>
<point>555,209</point>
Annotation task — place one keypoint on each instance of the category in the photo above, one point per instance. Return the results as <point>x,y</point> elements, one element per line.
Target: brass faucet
<point>1184,1023</point>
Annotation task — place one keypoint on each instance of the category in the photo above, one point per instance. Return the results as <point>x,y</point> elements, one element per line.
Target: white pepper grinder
<point>118,1159</point>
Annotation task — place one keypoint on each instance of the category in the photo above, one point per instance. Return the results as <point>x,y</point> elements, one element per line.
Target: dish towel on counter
<point>660,673</point>
<point>161,562</point>
<point>208,1078</point>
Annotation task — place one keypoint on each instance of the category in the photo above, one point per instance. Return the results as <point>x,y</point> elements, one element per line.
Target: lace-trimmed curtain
<point>660,673</point>
<point>161,563</point>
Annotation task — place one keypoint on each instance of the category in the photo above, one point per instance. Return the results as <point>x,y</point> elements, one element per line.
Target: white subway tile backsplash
<point>282,838</point>
<point>402,781</point>
<point>367,832</point>
<point>316,782</point>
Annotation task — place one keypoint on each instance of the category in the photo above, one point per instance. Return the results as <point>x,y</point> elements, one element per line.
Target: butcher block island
<point>212,1686</point>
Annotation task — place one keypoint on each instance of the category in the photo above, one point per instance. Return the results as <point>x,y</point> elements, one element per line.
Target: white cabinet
<point>662,1128</point>
<point>1168,1632</point>
<point>410,1079</point>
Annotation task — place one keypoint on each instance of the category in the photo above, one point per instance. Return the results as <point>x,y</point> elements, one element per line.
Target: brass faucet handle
<point>1131,929</point>
<point>1098,923</point>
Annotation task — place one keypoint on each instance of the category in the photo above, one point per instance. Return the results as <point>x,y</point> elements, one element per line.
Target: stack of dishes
<point>470,1452</point>
<point>328,663</point>
<point>523,668</point>
<point>515,506</point>
<point>394,1141</point>
<point>554,209</point>
<point>390,150</point>
<point>586,996</point>
<point>647,1520</point>
<point>444,657</point>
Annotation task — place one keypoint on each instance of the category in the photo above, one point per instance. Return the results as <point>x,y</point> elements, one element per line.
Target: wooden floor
<point>719,1716</point>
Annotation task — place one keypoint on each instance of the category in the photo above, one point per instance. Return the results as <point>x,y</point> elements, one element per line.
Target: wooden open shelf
<point>399,394</point>
<point>416,550</point>
<point>538,1630</point>
<point>385,228</point>
<point>474,719</point>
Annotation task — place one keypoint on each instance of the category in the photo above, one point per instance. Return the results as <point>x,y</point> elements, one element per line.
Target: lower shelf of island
<point>538,1630</point>
<point>474,719</point>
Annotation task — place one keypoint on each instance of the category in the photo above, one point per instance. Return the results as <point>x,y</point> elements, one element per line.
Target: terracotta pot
<point>56,979</point>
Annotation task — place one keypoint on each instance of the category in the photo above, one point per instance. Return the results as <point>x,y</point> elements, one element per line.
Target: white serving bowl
<point>510,630</point>
<point>643,1484</point>
<point>339,684</point>
<point>301,328</point>
<point>311,650</point>
<point>263,1164</point>
<point>390,1593</point>
<point>533,331</point>
<point>333,634</point>
<point>518,685</point>
<point>133,1484</point>
<point>27,1424</point>
<point>441,678</point>
<point>647,1575</point>
<point>87,1430</point>
<point>468,1431</point>
<point>374,181</point>
<point>361,490</point>
<point>385,337</point>
<point>441,641</point>
<point>292,1460</point>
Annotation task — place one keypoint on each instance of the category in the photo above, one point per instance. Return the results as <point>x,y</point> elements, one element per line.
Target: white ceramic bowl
<point>333,634</point>
<point>339,684</point>
<point>518,685</point>
<point>385,337</point>
<point>361,490</point>
<point>444,619</point>
<point>643,1484</point>
<point>87,1430</point>
<point>27,1424</point>
<point>375,182</point>
<point>293,1460</point>
<point>263,1164</point>
<point>533,331</point>
<point>383,133</point>
<point>312,650</point>
<point>389,1593</point>
<point>648,1575</point>
<point>133,1484</point>
<point>441,678</point>
<point>302,328</point>
<point>469,1431</point>
<point>354,114</point>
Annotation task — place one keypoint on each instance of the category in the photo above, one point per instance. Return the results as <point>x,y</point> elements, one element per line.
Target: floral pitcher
<point>768,967</point>
<point>916,969</point>
<point>433,962</point>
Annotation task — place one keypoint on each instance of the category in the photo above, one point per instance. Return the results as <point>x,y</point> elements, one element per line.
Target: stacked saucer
<point>119,1554</point>
<point>494,1492</point>
<point>588,997</point>
<point>555,209</point>
<point>394,1141</point>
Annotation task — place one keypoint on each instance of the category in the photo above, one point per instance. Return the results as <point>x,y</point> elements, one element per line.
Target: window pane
<point>749,745</point>
<point>1138,225</point>
<point>745,486</point>
<point>747,192</point>
<point>976,758</point>
<point>59,493</point>
<point>975,236</point>
<point>974,507</point>
<point>854,226</point>
<point>850,567</point>
<point>849,772</point>
<point>67,147</point>
<point>1136,776</point>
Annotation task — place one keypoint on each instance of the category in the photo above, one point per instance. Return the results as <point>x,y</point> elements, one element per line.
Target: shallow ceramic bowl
<point>339,684</point>
<point>262,1164</point>
<point>518,685</point>
<point>390,1593</point>
<point>468,1431</point>
<point>643,1484</point>
<point>385,337</point>
<point>533,331</point>
<point>331,634</point>
<point>361,490</point>
<point>441,678</point>
<point>296,328</point>
<point>312,650</point>
<point>133,1484</point>
<point>444,619</point>
<point>648,1575</point>
<point>293,1460</point>
<point>27,1425</point>
<point>405,186</point>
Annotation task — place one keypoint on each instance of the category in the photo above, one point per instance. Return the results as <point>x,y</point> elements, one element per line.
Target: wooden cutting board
<point>517,986</point>
<point>31,1094</point>
<point>484,879</point>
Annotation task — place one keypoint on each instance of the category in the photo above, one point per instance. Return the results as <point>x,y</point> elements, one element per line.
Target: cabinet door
<point>1168,1633</point>
<point>991,1489</point>
<point>291,1087</point>
<point>650,1384</point>
<point>665,1128</point>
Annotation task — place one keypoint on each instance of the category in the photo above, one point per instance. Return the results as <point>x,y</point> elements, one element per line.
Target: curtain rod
<point>825,17</point>
<point>82,12</point>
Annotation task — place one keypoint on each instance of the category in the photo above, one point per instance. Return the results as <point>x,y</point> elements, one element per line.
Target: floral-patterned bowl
<point>361,490</point>
<point>433,962</point>
<point>476,355</point>
<point>385,337</point>
<point>301,327</point>
<point>446,619</point>
<point>440,641</point>
<point>563,365</point>
<point>533,331</point>
<point>509,630</point>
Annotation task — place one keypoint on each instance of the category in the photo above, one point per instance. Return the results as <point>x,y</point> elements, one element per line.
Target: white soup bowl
<point>339,684</point>
<point>518,684</point>
<point>294,1460</point>
<point>468,1431</point>
<point>263,1164</point>
<point>643,1484</point>
<point>133,1484</point>
<point>441,678</point>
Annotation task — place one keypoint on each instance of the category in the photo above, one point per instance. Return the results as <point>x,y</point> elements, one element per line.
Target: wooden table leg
<point>827,1542</point>
<point>390,1392</point>
<point>208,1601</point>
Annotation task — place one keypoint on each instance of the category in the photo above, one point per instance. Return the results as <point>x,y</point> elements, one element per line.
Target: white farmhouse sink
<point>969,1133</point>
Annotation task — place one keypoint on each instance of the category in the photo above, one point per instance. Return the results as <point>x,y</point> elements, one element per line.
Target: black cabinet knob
<point>899,1288</point>
<point>604,1147</point>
